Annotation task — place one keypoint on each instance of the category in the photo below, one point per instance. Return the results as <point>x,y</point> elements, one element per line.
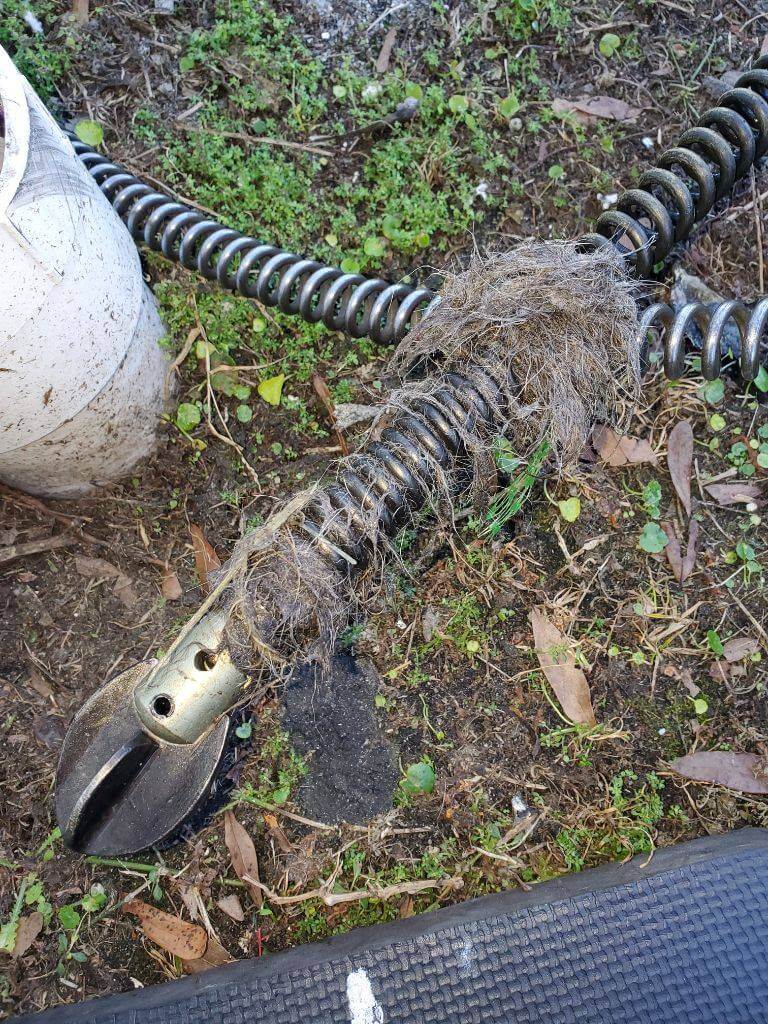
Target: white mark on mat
<point>363,1007</point>
<point>466,958</point>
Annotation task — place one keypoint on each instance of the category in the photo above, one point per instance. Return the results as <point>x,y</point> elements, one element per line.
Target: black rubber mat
<point>682,939</point>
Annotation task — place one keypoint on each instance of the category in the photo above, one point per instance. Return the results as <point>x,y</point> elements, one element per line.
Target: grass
<point>393,206</point>
<point>623,827</point>
<point>44,58</point>
<point>476,733</point>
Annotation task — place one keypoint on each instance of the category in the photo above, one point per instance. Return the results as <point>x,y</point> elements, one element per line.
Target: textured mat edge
<point>506,904</point>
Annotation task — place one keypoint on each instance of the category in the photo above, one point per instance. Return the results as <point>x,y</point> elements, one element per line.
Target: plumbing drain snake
<point>532,346</point>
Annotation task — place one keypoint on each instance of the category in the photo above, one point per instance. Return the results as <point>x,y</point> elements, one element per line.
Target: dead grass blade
<point>739,771</point>
<point>180,938</point>
<point>375,891</point>
<point>242,853</point>
<point>680,461</point>
<point>567,680</point>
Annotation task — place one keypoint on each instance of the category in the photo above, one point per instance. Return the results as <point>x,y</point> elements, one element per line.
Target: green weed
<point>43,58</point>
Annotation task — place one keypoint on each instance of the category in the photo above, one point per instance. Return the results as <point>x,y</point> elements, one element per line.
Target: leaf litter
<point>179,938</point>
<point>680,461</point>
<point>743,772</point>
<point>617,450</point>
<point>242,853</point>
<point>558,664</point>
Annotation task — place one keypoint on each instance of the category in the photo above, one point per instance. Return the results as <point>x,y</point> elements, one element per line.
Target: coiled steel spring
<point>705,330</point>
<point>319,293</point>
<point>645,224</point>
<point>391,478</point>
<point>671,198</point>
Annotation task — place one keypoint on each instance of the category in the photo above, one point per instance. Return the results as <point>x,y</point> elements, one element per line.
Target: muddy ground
<point>508,792</point>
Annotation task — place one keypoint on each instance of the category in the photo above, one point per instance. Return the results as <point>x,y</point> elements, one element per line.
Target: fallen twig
<point>35,547</point>
<point>71,522</point>
<point>378,892</point>
<point>254,140</point>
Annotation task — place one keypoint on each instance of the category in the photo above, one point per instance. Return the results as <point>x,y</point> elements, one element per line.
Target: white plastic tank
<point>81,371</point>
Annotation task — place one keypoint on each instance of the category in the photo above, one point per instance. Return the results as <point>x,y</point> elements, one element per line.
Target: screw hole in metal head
<point>205,660</point>
<point>162,706</point>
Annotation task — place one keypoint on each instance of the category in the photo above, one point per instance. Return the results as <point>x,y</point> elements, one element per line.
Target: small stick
<point>254,140</point>
<point>28,501</point>
<point>35,547</point>
<point>383,892</point>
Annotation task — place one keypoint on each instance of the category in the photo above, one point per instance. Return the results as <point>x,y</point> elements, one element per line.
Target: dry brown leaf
<point>691,551</point>
<point>740,648</point>
<point>680,461</point>
<point>206,559</point>
<point>243,855</point>
<point>720,670</point>
<point>180,938</point>
<point>170,586</point>
<point>323,392</point>
<point>734,494</point>
<point>616,450</point>
<point>587,109</point>
<point>39,683</point>
<point>214,956</point>
<point>231,906</point>
<point>673,552</point>
<point>101,569</point>
<point>567,680</point>
<point>278,832</point>
<point>742,772</point>
<point>28,929</point>
<point>385,53</point>
<point>96,568</point>
<point>190,897</point>
<point>430,622</point>
<point>124,592</point>
<point>682,565</point>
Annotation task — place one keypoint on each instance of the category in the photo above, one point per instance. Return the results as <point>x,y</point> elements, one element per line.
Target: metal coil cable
<point>709,159</point>
<point>358,305</point>
<point>391,478</point>
<point>703,330</point>
<point>645,224</point>
<point>382,487</point>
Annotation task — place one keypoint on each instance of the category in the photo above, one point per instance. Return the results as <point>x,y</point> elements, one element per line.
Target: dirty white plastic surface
<point>81,373</point>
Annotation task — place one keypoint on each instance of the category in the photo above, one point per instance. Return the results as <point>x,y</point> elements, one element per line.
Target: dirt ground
<point>486,784</point>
